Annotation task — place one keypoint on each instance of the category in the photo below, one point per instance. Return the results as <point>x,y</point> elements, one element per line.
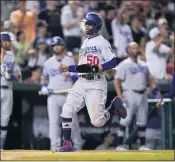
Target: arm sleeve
<point>115,33</point>
<point>16,69</point>
<point>45,74</point>
<point>164,49</point>
<point>106,51</point>
<point>64,18</point>
<point>120,72</point>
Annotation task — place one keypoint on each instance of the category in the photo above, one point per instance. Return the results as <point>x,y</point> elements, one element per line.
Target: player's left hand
<point>63,68</point>
<point>7,75</point>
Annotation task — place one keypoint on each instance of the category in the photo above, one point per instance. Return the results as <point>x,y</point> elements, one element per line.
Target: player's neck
<point>58,57</point>
<point>134,59</point>
<point>92,36</point>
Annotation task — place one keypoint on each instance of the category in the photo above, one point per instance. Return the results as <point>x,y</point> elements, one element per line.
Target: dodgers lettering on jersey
<point>9,65</point>
<point>95,51</point>
<point>57,79</point>
<point>133,76</point>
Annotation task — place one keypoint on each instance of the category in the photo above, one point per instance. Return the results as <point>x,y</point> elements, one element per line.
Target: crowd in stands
<point>32,24</point>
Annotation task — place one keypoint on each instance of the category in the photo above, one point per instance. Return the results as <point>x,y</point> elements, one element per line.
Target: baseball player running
<point>53,79</point>
<point>132,75</point>
<point>90,89</point>
<point>9,71</point>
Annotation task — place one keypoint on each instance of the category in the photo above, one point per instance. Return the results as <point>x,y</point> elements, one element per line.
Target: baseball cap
<point>162,21</point>
<point>5,37</point>
<point>154,32</point>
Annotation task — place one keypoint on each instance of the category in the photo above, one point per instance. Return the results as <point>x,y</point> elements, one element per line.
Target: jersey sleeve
<point>120,72</point>
<point>106,51</point>
<point>164,49</point>
<point>45,74</point>
<point>16,69</point>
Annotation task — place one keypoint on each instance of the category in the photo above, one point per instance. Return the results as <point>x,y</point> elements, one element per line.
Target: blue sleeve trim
<point>44,85</point>
<point>109,65</point>
<point>74,78</point>
<point>12,76</point>
<point>72,68</point>
<point>156,90</point>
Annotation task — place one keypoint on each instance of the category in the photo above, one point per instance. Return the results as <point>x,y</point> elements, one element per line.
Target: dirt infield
<point>87,155</point>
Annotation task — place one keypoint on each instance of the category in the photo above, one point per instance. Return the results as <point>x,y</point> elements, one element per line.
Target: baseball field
<point>160,155</point>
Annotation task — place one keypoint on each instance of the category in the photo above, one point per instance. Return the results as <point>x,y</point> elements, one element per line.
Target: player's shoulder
<point>141,62</point>
<point>102,41</point>
<point>69,57</point>
<point>49,60</point>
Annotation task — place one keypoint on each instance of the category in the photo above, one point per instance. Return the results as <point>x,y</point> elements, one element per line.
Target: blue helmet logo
<point>93,19</point>
<point>57,41</point>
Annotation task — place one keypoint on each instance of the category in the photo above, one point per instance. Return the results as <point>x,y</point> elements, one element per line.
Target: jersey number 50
<point>92,60</point>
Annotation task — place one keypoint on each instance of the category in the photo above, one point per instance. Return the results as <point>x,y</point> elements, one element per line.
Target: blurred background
<point>32,24</point>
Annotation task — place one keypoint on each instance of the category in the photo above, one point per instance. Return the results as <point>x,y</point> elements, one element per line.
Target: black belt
<point>90,76</point>
<point>4,87</point>
<point>138,91</point>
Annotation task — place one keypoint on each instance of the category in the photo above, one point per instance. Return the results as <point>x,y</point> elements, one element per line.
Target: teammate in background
<point>9,72</point>
<point>54,79</point>
<point>132,75</point>
<point>95,57</point>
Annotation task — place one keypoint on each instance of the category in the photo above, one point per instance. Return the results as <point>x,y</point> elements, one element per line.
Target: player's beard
<point>59,52</point>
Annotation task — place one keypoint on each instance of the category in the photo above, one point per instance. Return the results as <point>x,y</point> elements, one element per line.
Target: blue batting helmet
<point>57,41</point>
<point>93,19</point>
<point>5,37</point>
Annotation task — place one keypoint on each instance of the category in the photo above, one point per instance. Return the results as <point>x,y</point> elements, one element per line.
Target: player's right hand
<point>44,91</point>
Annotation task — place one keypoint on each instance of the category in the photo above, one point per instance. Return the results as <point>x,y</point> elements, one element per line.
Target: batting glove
<point>44,90</point>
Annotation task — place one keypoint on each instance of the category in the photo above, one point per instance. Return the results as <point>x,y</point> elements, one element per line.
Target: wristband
<point>44,85</point>
<point>156,90</point>
<point>72,68</point>
<point>12,76</point>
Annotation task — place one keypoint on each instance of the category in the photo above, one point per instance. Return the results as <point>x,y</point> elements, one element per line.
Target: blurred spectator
<point>21,55</point>
<point>24,20</point>
<point>102,12</point>
<point>71,15</point>
<point>52,16</point>
<point>8,28</point>
<point>110,13</point>
<point>75,53</point>
<point>122,34</point>
<point>170,67</point>
<point>35,76</point>
<point>138,34</point>
<point>6,8</point>
<point>107,141</point>
<point>38,56</point>
<point>42,32</point>
<point>156,54</point>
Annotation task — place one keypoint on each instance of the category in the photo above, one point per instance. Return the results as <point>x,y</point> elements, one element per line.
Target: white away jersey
<point>57,79</point>
<point>9,65</point>
<point>133,76</point>
<point>95,51</point>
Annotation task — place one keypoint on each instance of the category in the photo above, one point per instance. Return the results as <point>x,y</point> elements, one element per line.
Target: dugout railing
<point>22,90</point>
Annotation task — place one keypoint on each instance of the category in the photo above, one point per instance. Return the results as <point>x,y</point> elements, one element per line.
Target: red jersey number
<point>92,60</point>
